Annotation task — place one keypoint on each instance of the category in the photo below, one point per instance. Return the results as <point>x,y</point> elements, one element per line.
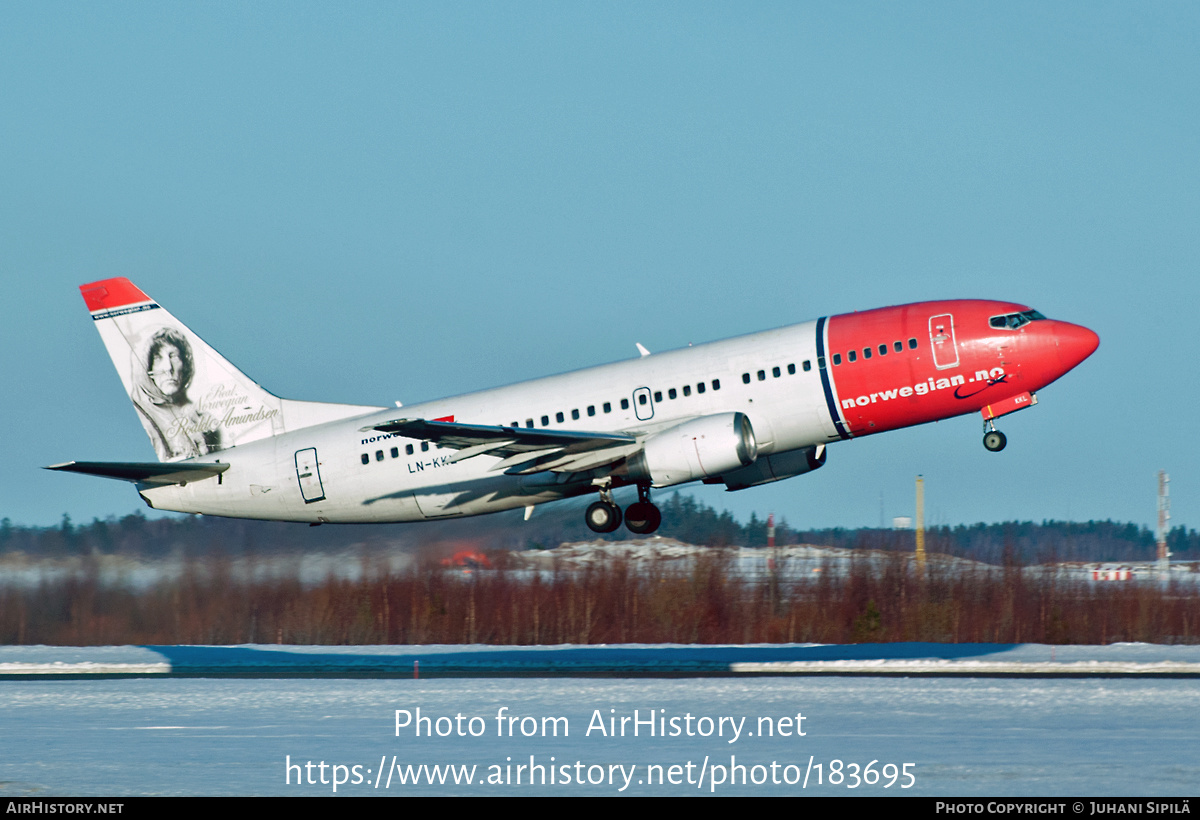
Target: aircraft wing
<point>149,472</point>
<point>522,450</point>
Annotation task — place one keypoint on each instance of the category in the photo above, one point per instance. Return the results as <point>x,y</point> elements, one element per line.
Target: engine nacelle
<point>775,467</point>
<point>701,448</point>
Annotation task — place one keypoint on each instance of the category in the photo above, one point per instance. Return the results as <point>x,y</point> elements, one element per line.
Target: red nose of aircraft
<point>1075,343</point>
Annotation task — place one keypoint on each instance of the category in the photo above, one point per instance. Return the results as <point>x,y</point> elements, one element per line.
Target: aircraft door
<point>308,473</point>
<point>941,340</point>
<point>643,403</point>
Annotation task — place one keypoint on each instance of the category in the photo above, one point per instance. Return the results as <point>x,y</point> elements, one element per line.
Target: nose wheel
<point>993,439</point>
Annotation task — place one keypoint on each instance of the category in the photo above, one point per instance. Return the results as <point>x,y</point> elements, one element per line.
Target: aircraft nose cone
<point>1075,343</point>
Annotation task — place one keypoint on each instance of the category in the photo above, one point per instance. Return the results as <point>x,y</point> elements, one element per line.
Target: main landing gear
<point>993,439</point>
<point>641,517</point>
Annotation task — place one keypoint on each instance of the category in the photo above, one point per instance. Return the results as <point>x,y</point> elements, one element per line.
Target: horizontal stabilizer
<point>144,472</point>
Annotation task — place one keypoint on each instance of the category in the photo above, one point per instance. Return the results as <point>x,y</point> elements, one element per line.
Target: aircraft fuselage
<point>800,387</point>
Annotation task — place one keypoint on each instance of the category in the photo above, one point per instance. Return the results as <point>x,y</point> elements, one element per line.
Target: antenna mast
<point>920,521</point>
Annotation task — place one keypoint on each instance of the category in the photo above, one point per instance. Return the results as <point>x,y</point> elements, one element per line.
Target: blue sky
<point>370,202</point>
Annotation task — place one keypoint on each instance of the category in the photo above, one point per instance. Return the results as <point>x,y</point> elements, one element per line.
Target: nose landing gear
<point>993,439</point>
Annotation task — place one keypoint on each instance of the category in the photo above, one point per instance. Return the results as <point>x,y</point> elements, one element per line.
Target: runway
<point>893,659</point>
<point>622,720</point>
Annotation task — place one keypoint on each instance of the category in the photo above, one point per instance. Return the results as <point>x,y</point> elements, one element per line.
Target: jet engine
<point>700,448</point>
<point>775,467</point>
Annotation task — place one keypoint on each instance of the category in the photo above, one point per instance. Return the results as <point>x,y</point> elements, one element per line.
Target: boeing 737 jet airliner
<point>740,412</point>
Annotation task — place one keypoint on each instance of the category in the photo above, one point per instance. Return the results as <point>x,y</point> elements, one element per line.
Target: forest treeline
<point>873,599</point>
<point>684,518</point>
<point>878,596</point>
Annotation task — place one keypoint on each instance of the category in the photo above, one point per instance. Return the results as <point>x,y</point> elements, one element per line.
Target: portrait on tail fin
<point>162,373</point>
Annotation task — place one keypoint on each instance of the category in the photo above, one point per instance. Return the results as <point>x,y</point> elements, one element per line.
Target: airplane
<point>742,412</point>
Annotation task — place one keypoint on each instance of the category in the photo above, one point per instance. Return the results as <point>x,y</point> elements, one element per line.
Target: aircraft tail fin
<point>189,398</point>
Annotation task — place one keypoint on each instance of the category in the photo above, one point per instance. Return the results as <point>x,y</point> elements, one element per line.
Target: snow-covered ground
<point>796,561</point>
<point>20,569</point>
<point>1131,737</point>
<point>663,554</point>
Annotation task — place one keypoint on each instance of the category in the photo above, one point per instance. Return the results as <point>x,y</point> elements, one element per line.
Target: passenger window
<point>700,387</point>
<point>775,372</point>
<point>687,390</point>
<point>898,346</point>
<point>791,370</point>
<point>424,446</point>
<point>559,417</point>
<point>545,421</point>
<point>379,455</point>
<point>366,458</point>
<point>807,365</point>
<point>395,452</point>
<point>642,398</point>
<point>837,359</point>
<point>671,393</point>
<point>852,356</point>
<point>745,378</point>
<point>607,407</point>
<point>866,352</point>
<point>528,422</point>
<point>883,350</point>
<point>591,409</point>
<point>658,395</point>
<point>409,450</point>
<point>716,384</point>
<point>624,404</point>
<point>514,424</point>
<point>762,375</point>
<point>912,344</point>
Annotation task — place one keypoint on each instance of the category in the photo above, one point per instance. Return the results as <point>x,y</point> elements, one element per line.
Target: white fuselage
<point>363,475</point>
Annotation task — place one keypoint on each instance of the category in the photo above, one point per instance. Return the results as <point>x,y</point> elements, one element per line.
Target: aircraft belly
<point>803,426</point>
<point>439,505</point>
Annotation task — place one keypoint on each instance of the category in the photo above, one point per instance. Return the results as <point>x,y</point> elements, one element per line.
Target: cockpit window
<point>1012,321</point>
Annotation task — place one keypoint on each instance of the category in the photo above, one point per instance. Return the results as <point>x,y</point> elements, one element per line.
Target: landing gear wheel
<point>994,441</point>
<point>603,517</point>
<point>642,518</point>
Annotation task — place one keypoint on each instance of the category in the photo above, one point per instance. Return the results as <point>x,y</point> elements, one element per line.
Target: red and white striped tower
<point>1164,520</point>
